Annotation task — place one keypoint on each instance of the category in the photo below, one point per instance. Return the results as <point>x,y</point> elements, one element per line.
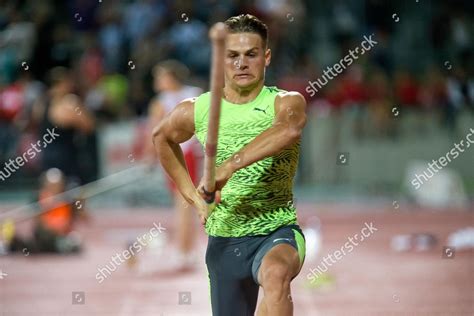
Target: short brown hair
<point>178,70</point>
<point>247,23</point>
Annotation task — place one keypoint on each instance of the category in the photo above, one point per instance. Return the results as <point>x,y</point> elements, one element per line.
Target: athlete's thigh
<point>233,290</point>
<point>282,254</point>
<point>285,247</point>
<point>233,297</point>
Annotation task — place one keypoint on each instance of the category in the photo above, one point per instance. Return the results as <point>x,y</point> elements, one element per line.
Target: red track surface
<point>371,280</point>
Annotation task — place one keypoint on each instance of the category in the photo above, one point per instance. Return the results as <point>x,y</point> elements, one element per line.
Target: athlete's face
<point>245,60</point>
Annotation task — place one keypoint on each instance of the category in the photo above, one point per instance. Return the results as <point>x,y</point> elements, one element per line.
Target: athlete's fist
<point>208,196</point>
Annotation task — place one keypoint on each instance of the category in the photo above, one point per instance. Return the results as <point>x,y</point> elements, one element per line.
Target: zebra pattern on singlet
<point>258,198</point>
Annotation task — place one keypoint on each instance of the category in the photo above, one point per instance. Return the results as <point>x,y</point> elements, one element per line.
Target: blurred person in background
<point>406,89</point>
<point>62,112</point>
<point>53,228</point>
<point>113,89</point>
<point>460,91</point>
<point>188,43</point>
<point>17,129</point>
<point>17,42</point>
<point>141,18</point>
<point>11,107</point>
<point>380,100</point>
<point>111,39</point>
<point>432,93</point>
<point>168,84</point>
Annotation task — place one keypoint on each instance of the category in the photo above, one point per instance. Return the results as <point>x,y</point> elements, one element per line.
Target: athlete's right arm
<point>175,128</point>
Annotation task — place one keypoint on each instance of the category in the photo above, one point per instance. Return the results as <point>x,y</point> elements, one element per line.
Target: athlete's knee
<point>275,280</point>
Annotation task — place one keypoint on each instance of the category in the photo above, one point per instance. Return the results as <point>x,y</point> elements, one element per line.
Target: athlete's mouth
<point>240,76</point>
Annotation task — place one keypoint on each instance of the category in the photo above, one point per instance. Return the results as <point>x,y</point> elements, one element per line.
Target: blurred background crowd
<point>103,52</point>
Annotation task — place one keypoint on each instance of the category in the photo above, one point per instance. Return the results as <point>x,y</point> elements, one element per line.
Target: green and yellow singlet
<point>258,198</point>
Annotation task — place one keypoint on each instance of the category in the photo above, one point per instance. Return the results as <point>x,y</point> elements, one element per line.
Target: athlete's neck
<point>242,96</point>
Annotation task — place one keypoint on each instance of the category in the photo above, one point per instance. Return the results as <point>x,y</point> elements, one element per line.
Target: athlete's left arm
<point>290,118</point>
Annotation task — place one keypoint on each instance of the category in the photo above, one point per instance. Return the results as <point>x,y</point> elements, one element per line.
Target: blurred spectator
<point>16,44</point>
<point>141,18</point>
<point>138,98</point>
<point>380,102</point>
<point>17,129</point>
<point>460,94</point>
<point>53,227</point>
<point>297,78</point>
<point>42,59</point>
<point>353,86</point>
<point>62,111</point>
<point>63,46</point>
<point>168,83</point>
<point>91,64</point>
<point>190,45</point>
<point>462,33</point>
<point>433,92</point>
<point>57,217</point>
<point>112,40</point>
<point>11,105</point>
<point>406,89</point>
<point>114,89</point>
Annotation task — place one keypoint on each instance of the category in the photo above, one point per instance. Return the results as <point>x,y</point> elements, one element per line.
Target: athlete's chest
<point>245,121</point>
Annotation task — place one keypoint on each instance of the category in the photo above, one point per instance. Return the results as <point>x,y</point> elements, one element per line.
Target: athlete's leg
<point>234,291</point>
<point>279,266</point>
<point>276,263</point>
<point>232,297</point>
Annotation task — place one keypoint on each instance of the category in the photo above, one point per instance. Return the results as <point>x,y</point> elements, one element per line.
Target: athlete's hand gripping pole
<point>217,34</point>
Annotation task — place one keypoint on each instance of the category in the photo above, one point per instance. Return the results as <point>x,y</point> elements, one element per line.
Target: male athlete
<point>254,239</point>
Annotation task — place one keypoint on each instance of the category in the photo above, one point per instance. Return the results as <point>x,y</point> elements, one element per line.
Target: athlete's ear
<point>268,57</point>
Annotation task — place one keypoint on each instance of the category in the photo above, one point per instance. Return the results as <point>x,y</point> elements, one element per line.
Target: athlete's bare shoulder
<point>286,99</point>
<point>189,102</point>
<point>178,125</point>
<point>185,106</point>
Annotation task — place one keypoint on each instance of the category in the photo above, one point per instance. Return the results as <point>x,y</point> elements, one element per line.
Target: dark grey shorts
<point>233,264</point>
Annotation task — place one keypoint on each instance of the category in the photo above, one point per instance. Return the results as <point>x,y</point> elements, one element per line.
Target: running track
<point>371,280</point>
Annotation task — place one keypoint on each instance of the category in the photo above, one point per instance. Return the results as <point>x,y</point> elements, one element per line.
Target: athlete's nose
<point>240,63</point>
